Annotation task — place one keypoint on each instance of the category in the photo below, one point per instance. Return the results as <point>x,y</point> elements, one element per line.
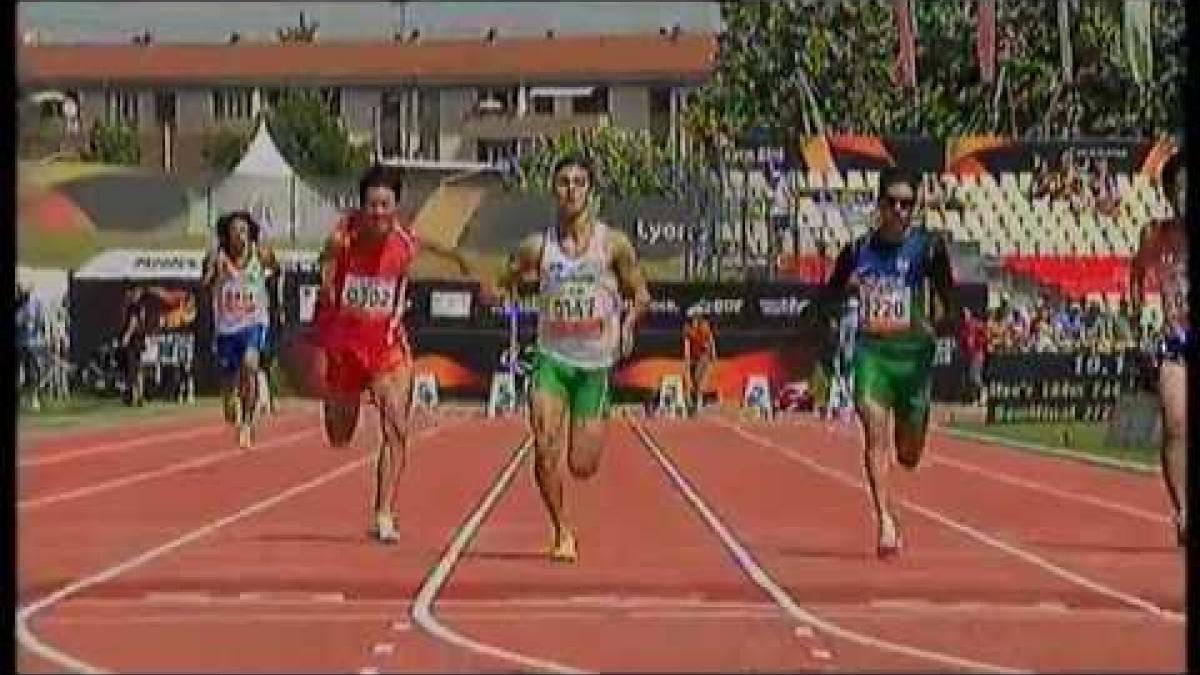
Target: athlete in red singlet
<point>1163,254</point>
<point>364,271</point>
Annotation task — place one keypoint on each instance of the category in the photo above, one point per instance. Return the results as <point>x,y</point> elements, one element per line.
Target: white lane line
<point>383,649</point>
<point>1015,481</point>
<point>1062,453</point>
<point>28,639</point>
<point>131,479</point>
<point>1046,489</point>
<point>119,446</point>
<point>1015,551</point>
<point>777,593</point>
<point>422,607</point>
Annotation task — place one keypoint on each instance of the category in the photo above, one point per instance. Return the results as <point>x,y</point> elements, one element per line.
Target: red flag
<point>906,59</point>
<point>985,47</point>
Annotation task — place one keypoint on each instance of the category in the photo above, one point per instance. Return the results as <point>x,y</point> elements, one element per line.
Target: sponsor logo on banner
<point>789,305</point>
<point>450,304</point>
<point>655,232</point>
<point>718,306</point>
<point>167,263</point>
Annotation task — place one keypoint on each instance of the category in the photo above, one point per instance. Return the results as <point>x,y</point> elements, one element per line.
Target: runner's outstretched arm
<point>466,266</point>
<point>941,275</point>
<point>633,282</point>
<point>521,264</point>
<point>826,302</point>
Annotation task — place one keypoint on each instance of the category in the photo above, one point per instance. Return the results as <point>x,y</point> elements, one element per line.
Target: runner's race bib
<point>369,295</point>
<point>238,301</point>
<point>886,307</point>
<point>574,311</point>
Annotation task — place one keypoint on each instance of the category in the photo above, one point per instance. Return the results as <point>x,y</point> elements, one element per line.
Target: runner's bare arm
<point>521,264</point>
<point>821,311</point>
<point>327,260</point>
<point>466,266</point>
<point>629,273</point>
<point>209,267</point>
<point>941,275</point>
<point>271,262</point>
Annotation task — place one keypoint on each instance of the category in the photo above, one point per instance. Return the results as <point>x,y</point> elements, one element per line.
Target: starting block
<point>671,402</point>
<point>502,399</point>
<point>757,397</point>
<point>425,392</point>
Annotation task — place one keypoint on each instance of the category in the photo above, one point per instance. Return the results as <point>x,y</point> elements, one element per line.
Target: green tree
<point>114,143</point>
<point>629,163</point>
<point>799,67</point>
<point>223,148</point>
<point>313,139</point>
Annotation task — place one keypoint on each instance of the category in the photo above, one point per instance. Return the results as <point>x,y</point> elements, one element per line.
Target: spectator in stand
<point>972,341</point>
<point>1124,335</point>
<point>996,332</point>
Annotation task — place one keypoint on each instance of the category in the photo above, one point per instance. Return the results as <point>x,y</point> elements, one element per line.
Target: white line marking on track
<point>1046,489</point>
<point>401,626</point>
<point>1095,460</point>
<point>777,593</point>
<point>422,606</point>
<point>821,653</point>
<point>383,649</point>
<point>973,533</point>
<point>28,639</point>
<point>119,446</point>
<point>195,463</point>
<point>804,632</point>
<point>1020,482</point>
<point>368,671</point>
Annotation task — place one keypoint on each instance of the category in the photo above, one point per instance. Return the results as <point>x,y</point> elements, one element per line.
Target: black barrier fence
<point>447,318</point>
<point>1057,387</point>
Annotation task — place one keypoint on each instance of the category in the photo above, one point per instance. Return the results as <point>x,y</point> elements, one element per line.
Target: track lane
<point>816,536</point>
<point>313,546</point>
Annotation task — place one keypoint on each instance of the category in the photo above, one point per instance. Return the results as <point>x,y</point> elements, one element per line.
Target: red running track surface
<point>258,561</point>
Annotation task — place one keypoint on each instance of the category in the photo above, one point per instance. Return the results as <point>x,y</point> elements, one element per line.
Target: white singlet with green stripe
<point>579,308</point>
<point>242,299</point>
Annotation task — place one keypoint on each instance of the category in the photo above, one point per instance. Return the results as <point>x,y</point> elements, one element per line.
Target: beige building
<point>443,101</point>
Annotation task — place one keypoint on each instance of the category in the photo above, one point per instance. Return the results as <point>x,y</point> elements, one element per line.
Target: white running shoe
<point>384,530</point>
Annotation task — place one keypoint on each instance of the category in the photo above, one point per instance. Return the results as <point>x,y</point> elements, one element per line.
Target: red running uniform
<point>359,326</point>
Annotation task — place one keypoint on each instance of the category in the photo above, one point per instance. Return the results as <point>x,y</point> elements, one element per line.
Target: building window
<point>121,107</point>
<point>496,151</point>
<point>594,104</point>
<point>495,100</point>
<point>660,112</point>
<point>543,105</point>
<point>332,98</point>
<point>236,103</point>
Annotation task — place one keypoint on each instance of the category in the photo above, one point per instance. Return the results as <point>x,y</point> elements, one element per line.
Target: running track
<point>713,545</point>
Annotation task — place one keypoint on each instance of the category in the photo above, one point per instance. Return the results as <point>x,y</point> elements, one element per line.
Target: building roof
<point>546,59</point>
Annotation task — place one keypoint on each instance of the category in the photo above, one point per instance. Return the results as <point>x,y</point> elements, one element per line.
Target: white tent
<point>264,184</point>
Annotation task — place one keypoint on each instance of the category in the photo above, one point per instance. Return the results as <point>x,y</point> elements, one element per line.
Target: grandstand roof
<point>546,59</point>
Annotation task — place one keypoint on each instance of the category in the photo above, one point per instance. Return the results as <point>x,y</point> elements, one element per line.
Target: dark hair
<point>1170,174</point>
<point>380,176</point>
<point>225,223</point>
<point>575,159</point>
<point>894,175</point>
